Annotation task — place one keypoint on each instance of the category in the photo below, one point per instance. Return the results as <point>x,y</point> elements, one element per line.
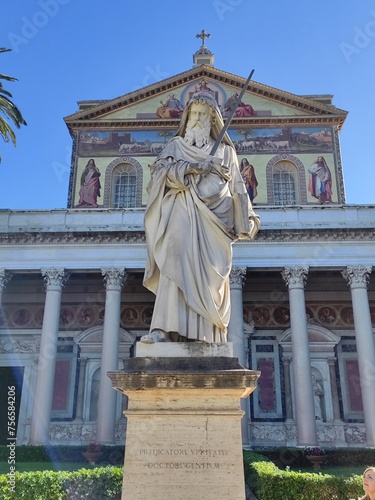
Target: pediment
<point>162,102</point>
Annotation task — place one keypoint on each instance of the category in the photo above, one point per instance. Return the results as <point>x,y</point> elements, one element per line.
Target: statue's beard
<point>198,133</point>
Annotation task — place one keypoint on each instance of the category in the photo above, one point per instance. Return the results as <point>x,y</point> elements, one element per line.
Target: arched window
<point>286,182</point>
<point>123,183</point>
<point>124,186</point>
<point>284,179</point>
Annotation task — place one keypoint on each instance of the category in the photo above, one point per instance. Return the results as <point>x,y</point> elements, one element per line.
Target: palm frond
<point>8,109</point>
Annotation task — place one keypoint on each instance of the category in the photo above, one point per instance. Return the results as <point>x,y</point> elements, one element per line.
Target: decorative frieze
<point>138,237</point>
<point>355,434</point>
<point>266,433</point>
<point>66,432</point>
<point>73,238</point>
<point>9,346</point>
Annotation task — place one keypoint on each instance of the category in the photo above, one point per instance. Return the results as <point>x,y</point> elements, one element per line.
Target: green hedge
<point>103,483</point>
<point>268,482</point>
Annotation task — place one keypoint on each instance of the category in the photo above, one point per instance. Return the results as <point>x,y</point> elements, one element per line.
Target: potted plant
<point>93,453</point>
<point>315,455</point>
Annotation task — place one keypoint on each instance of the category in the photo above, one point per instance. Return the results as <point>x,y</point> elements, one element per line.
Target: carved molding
<point>320,235</point>
<point>275,432</point>
<point>5,277</point>
<point>357,276</point>
<point>331,361</point>
<point>355,434</point>
<point>54,278</point>
<point>138,237</point>
<point>295,277</point>
<point>71,238</point>
<point>16,346</point>
<point>237,277</point>
<point>78,431</point>
<point>114,278</point>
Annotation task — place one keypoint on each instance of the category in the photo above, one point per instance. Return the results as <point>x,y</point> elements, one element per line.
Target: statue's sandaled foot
<point>155,336</point>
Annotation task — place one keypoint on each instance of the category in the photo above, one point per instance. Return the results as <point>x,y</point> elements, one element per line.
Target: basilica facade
<point>303,294</point>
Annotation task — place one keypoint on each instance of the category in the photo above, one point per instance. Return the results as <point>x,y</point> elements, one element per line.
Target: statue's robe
<point>191,222</point>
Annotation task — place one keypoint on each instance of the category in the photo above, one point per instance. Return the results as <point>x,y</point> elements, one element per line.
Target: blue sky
<point>65,51</point>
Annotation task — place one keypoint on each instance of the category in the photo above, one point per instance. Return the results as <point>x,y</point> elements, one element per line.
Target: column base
<point>184,427</point>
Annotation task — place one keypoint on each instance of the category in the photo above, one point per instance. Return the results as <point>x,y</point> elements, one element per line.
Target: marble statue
<point>318,393</point>
<point>198,206</point>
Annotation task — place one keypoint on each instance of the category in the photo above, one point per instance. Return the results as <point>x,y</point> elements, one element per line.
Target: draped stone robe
<point>191,222</point>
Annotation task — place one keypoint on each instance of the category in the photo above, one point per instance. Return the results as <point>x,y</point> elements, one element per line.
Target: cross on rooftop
<point>203,35</point>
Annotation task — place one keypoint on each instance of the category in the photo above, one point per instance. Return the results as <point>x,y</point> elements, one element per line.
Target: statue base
<point>184,424</point>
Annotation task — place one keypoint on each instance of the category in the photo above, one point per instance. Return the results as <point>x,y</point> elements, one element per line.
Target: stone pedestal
<point>184,425</point>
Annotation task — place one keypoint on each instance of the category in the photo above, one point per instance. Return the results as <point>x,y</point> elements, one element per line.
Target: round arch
<point>109,174</point>
<point>301,177</point>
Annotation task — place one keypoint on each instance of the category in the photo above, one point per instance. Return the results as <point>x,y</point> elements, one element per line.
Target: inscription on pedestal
<point>184,427</point>
<point>190,460</point>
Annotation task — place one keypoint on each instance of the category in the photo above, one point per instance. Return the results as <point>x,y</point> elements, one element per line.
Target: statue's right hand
<point>202,168</point>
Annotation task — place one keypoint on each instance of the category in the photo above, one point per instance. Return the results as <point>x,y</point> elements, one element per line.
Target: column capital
<point>237,277</point>
<point>331,361</point>
<point>54,278</point>
<point>357,276</point>
<point>5,277</point>
<point>286,361</point>
<point>82,361</point>
<point>295,277</point>
<point>114,278</point>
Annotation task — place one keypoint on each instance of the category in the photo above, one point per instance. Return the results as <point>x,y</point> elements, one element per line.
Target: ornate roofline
<point>105,107</point>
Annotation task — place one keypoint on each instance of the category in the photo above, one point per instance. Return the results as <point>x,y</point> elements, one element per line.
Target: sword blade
<point>229,118</point>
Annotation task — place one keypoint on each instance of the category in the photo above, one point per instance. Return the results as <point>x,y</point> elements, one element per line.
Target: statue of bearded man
<point>198,206</point>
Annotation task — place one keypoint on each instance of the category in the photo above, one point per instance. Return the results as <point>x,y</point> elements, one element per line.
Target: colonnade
<point>294,277</point>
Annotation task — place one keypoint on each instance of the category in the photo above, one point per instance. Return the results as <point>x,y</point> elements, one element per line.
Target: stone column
<point>295,278</point>
<point>235,327</point>
<point>5,277</point>
<point>288,391</point>
<point>335,395</point>
<point>81,388</point>
<point>357,278</point>
<point>237,337</point>
<point>43,395</point>
<point>106,421</point>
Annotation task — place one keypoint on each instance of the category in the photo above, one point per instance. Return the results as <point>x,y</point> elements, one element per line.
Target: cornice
<point>254,122</point>
<point>300,102</point>
<point>138,237</point>
<point>305,235</point>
